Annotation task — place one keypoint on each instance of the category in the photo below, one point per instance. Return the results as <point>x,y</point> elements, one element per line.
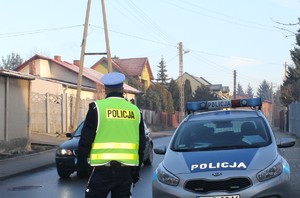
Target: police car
<point>225,153</point>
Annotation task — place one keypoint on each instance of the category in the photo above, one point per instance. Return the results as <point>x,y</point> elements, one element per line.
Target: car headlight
<point>62,151</point>
<point>165,177</point>
<point>270,172</point>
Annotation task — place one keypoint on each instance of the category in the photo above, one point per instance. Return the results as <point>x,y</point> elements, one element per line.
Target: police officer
<point>113,138</point>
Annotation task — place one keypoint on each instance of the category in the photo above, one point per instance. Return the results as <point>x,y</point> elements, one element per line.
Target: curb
<point>26,163</point>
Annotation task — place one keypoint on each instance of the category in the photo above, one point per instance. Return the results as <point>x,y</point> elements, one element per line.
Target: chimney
<point>76,62</point>
<point>58,58</point>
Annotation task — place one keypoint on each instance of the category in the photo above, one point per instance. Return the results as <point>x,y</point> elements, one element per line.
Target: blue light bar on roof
<point>221,104</point>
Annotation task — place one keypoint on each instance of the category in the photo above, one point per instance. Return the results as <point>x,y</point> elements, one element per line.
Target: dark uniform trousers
<point>114,179</point>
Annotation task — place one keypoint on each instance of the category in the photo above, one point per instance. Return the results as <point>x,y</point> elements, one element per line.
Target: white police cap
<point>113,80</point>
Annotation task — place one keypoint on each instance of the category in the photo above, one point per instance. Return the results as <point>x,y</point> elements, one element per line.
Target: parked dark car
<point>66,153</point>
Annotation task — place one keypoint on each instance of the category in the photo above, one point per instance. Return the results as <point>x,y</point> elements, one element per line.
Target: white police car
<point>229,153</point>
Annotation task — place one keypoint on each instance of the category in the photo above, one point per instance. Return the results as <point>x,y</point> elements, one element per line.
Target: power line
<point>137,37</point>
<point>140,16</point>
<point>39,31</point>
<point>226,15</point>
<point>230,19</point>
<point>152,23</point>
<point>211,63</point>
<point>225,71</point>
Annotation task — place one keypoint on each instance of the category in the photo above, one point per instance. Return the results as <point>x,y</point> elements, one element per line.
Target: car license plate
<point>221,196</point>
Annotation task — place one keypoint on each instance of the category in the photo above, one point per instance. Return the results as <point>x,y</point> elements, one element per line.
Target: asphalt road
<point>46,183</point>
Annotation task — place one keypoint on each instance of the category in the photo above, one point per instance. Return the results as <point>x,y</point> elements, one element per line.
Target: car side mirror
<point>160,150</point>
<point>68,134</point>
<point>286,142</point>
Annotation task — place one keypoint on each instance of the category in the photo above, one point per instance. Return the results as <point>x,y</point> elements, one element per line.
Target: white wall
<point>14,114</point>
<point>2,106</point>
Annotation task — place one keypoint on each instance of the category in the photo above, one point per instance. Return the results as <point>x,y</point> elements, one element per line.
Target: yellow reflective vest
<point>117,135</point>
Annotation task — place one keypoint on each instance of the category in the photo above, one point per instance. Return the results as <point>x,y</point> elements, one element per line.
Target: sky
<point>252,37</point>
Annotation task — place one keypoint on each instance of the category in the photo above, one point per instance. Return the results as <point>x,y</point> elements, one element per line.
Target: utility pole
<point>83,46</point>
<point>181,87</point>
<point>181,82</point>
<point>285,108</point>
<point>234,84</point>
<point>285,71</point>
<point>106,38</point>
<point>272,106</point>
<point>79,83</point>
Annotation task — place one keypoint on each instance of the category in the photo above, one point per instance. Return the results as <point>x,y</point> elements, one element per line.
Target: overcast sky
<point>248,36</point>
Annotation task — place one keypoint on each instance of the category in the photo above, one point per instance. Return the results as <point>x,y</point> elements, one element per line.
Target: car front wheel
<point>64,173</point>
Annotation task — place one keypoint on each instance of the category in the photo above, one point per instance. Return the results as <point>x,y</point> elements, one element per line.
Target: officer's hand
<point>81,165</point>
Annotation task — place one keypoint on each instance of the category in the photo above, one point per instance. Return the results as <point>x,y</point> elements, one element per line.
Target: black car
<point>66,159</point>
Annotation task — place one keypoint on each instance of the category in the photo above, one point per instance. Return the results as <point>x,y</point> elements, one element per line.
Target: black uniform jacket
<point>89,132</point>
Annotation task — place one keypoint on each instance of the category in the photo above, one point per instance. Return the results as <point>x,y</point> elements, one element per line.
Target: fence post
<point>47,114</point>
<point>71,112</point>
<point>63,112</point>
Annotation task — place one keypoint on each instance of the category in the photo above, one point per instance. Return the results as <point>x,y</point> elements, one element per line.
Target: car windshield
<point>220,135</point>
<point>77,133</point>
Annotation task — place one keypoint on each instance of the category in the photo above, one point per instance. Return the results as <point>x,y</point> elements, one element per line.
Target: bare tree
<point>12,61</point>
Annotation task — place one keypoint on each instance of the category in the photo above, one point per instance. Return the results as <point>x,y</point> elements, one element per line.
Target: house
<point>54,89</point>
<point>136,68</point>
<point>15,108</point>
<point>67,75</point>
<point>221,91</point>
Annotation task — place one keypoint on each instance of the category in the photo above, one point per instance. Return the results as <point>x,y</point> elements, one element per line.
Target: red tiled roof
<point>130,66</point>
<point>114,65</point>
<point>133,66</point>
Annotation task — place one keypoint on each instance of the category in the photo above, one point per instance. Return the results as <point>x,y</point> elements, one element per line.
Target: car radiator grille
<point>228,185</point>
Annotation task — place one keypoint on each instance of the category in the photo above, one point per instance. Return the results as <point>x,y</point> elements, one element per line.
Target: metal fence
<point>54,114</point>
<point>294,118</point>
<point>160,120</point>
